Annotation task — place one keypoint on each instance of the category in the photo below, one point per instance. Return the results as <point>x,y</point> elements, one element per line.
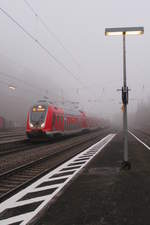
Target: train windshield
<point>38,113</point>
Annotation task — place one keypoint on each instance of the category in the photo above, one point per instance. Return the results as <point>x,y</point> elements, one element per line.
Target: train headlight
<point>31,125</point>
<point>42,125</point>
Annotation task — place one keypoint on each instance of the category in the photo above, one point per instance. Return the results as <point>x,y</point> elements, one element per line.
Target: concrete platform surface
<point>104,194</point>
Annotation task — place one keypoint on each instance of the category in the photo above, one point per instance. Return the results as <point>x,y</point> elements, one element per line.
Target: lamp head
<point>124,31</point>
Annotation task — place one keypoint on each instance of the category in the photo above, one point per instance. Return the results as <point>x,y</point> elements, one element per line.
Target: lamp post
<point>123,31</point>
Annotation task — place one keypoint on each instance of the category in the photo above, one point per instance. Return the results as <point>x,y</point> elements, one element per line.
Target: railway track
<point>10,147</point>
<point>17,178</point>
<point>17,146</point>
<point>12,131</point>
<point>9,136</point>
<point>143,132</point>
<point>26,144</point>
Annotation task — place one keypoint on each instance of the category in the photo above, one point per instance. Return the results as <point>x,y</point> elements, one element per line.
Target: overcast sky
<point>90,64</point>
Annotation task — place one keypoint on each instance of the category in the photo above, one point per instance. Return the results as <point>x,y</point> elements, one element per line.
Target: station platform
<point>104,194</point>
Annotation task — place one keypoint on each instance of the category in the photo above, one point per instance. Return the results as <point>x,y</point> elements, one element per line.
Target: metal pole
<point>125,101</point>
<point>124,61</point>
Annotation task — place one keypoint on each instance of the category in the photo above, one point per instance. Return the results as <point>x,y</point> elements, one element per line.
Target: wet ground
<point>104,194</point>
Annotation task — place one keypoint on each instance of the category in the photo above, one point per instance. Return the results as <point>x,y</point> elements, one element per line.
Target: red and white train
<point>45,119</point>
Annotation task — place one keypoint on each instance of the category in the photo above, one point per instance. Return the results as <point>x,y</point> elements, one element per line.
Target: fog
<point>77,62</point>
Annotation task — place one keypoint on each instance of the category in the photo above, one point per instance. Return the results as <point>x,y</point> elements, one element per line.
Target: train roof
<point>67,110</point>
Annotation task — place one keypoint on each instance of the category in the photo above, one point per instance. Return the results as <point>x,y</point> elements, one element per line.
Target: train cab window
<point>38,113</point>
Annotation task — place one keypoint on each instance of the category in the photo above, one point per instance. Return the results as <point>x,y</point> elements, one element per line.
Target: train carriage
<point>45,119</point>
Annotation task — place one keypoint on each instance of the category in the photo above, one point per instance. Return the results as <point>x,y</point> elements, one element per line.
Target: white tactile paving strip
<point>21,208</point>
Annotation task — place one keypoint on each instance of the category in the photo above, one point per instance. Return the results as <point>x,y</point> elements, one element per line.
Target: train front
<point>36,121</point>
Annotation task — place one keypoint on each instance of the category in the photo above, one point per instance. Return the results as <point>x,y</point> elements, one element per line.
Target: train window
<point>68,124</point>
<point>53,120</point>
<point>57,119</point>
<point>65,123</point>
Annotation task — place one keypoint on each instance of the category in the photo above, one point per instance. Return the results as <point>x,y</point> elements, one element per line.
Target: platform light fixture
<point>12,87</point>
<point>123,31</point>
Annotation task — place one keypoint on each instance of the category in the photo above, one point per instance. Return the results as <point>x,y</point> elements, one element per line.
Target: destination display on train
<point>38,109</point>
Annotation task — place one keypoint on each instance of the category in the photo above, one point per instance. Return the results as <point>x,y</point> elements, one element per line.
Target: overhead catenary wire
<point>34,90</point>
<point>51,32</point>
<point>19,80</point>
<point>8,85</point>
<point>43,47</point>
<point>40,45</point>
